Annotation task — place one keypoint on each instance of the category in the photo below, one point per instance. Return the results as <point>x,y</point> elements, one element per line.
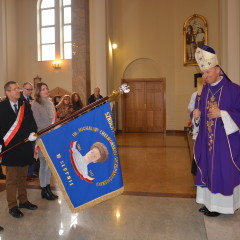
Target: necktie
<point>28,99</point>
<point>15,108</point>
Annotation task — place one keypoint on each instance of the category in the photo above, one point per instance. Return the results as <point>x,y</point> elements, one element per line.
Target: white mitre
<point>206,59</point>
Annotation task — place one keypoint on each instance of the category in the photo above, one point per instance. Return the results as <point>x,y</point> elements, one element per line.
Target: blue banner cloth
<point>83,156</point>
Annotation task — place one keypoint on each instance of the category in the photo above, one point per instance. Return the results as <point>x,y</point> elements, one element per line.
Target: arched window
<point>54,30</point>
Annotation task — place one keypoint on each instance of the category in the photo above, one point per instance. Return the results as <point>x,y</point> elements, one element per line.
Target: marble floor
<point>156,164</point>
<point>158,202</point>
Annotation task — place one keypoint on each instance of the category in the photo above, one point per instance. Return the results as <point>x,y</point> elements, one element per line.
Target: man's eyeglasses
<point>14,89</point>
<point>29,89</point>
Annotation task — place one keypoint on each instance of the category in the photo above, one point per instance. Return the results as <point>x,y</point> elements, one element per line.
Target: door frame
<point>162,80</point>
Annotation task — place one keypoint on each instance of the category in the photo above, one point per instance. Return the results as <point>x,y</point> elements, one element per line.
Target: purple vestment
<point>218,155</point>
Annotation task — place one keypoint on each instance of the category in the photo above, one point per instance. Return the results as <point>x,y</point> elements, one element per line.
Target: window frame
<point>40,27</point>
<point>62,30</point>
<point>58,30</point>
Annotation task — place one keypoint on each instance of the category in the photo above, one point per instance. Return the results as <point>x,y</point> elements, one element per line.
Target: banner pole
<point>123,89</point>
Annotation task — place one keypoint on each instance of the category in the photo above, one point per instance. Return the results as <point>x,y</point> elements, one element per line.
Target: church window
<point>54,25</point>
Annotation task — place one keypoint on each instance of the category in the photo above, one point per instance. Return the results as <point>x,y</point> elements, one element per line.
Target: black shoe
<point>28,205</point>
<point>1,228</point>
<point>50,191</point>
<point>2,176</point>
<point>212,214</point>
<point>45,194</point>
<point>203,209</point>
<point>15,212</point>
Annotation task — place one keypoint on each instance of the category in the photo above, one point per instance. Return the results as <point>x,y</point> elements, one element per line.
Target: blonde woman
<point>44,115</point>
<point>64,108</point>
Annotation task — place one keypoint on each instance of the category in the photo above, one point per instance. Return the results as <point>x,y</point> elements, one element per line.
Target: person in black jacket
<point>16,124</point>
<point>27,92</point>
<point>95,96</point>
<point>2,175</point>
<point>25,96</point>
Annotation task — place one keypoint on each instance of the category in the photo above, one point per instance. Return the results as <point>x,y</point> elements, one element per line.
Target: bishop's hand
<point>214,113</point>
<point>196,113</point>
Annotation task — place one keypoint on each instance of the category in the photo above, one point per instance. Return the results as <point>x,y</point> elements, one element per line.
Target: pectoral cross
<point>212,98</point>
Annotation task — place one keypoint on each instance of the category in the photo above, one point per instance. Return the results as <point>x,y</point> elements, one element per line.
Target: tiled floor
<point>158,203</point>
<point>156,163</point>
<point>123,217</point>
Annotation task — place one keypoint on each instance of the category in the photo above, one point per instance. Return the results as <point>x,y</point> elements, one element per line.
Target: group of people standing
<point>21,118</point>
<point>68,104</point>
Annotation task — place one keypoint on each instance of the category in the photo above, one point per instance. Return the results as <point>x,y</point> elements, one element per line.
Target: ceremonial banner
<point>83,157</point>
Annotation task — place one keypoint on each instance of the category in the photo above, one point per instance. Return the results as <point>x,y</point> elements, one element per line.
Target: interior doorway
<point>144,108</point>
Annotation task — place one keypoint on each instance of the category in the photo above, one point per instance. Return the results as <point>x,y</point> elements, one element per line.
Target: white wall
<point>3,44</point>
<point>98,45</point>
<point>230,38</point>
<point>153,30</point>
<point>144,29</point>
<point>18,28</point>
<point>28,66</point>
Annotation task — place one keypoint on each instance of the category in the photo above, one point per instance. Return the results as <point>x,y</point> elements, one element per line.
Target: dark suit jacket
<point>92,98</point>
<point>24,99</point>
<point>22,155</point>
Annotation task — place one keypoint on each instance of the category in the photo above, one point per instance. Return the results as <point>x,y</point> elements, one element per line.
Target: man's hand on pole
<point>32,137</point>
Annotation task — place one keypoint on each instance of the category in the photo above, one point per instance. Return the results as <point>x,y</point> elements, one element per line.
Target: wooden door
<point>154,107</point>
<point>144,106</point>
<point>135,108</point>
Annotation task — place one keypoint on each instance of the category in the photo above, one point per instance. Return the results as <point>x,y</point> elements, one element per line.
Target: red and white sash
<point>15,127</point>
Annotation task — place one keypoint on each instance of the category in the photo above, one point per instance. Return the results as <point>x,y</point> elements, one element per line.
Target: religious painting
<point>36,80</point>
<point>195,34</point>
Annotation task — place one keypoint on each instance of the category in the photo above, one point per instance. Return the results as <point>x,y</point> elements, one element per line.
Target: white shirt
<point>191,105</point>
<point>26,97</point>
<point>12,105</point>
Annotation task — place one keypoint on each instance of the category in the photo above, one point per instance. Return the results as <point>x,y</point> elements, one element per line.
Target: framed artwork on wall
<point>195,34</point>
<point>36,80</point>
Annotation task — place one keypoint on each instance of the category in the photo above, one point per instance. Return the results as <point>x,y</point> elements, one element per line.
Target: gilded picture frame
<point>195,34</point>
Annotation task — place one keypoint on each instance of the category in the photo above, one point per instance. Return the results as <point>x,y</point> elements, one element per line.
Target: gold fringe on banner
<point>61,185</point>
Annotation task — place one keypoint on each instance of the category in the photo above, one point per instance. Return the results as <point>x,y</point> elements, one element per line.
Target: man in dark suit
<point>16,123</point>
<point>95,96</point>
<point>27,92</point>
<point>25,96</point>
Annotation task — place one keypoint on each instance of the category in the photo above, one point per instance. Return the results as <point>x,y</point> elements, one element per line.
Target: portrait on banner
<point>98,153</point>
<point>195,34</point>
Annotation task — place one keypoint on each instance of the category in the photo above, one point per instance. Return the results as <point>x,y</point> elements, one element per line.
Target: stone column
<point>81,52</point>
